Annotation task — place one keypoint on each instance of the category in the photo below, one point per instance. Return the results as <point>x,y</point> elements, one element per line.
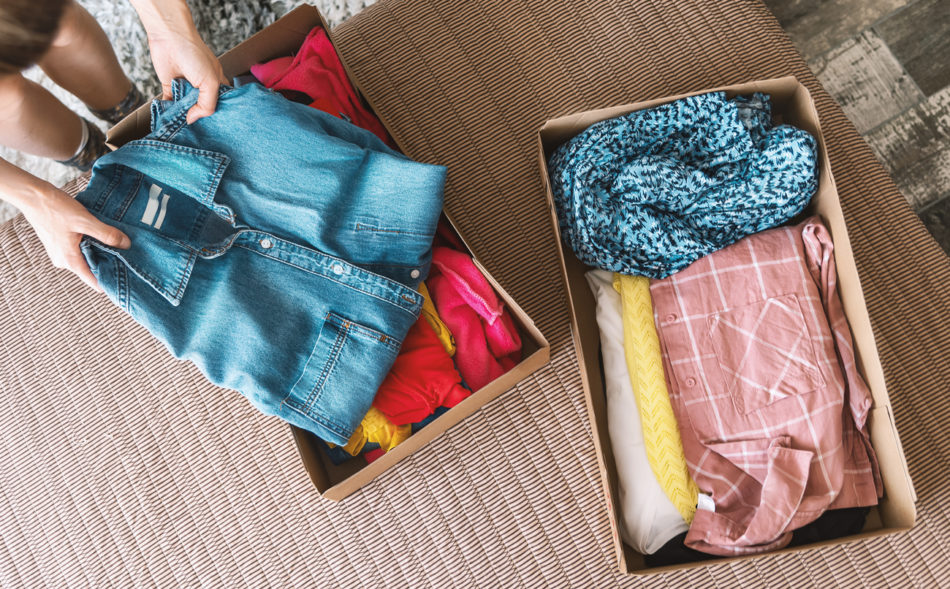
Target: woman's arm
<point>59,220</point>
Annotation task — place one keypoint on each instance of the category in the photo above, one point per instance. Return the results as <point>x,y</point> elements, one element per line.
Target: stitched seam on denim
<point>313,352</point>
<point>376,336</point>
<point>124,207</point>
<point>328,366</point>
<point>387,265</point>
<point>332,426</point>
<point>185,245</point>
<point>121,287</point>
<point>172,126</point>
<point>186,148</point>
<point>362,227</point>
<point>335,428</point>
<point>395,287</point>
<point>209,185</point>
<point>407,308</point>
<point>104,196</point>
<point>124,271</point>
<point>213,188</point>
<point>210,252</point>
<point>179,120</point>
<point>179,278</point>
<point>184,273</point>
<point>155,111</point>
<point>207,251</point>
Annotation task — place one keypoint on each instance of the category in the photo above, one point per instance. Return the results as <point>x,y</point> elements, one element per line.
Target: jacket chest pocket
<point>765,351</point>
<point>348,363</point>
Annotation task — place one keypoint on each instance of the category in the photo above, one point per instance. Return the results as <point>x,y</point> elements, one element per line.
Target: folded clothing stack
<point>720,327</point>
<point>464,338</point>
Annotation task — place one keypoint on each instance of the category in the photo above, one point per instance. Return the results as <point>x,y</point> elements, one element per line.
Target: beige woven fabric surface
<point>120,467</point>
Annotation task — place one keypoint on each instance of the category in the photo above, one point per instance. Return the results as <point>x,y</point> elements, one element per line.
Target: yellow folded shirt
<point>661,434</point>
<point>432,316</point>
<point>376,428</point>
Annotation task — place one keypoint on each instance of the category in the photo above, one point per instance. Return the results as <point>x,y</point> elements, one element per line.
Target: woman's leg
<point>81,60</point>
<point>34,121</point>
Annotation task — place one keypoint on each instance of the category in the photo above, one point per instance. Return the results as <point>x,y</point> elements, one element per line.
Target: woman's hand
<point>60,222</point>
<point>178,52</point>
<point>185,56</point>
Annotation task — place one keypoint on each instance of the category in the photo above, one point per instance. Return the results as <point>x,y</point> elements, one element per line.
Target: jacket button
<point>337,269</point>
<point>414,274</point>
<point>266,243</point>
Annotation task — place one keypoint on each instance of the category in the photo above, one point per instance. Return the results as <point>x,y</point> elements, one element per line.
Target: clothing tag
<point>705,502</point>
<point>154,207</point>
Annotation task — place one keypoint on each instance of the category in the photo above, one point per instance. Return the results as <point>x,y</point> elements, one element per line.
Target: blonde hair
<point>27,29</point>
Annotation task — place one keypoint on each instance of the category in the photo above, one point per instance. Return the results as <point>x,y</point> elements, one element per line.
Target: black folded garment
<point>831,525</point>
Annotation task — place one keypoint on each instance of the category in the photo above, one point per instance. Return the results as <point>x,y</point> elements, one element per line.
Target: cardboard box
<point>792,104</point>
<point>284,37</point>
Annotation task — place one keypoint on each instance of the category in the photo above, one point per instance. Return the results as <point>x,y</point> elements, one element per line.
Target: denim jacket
<point>273,245</point>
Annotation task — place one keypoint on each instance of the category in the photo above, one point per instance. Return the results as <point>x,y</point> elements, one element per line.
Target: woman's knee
<point>72,26</point>
<point>13,93</point>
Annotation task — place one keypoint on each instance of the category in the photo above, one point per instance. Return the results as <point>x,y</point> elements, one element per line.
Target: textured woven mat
<point>119,466</point>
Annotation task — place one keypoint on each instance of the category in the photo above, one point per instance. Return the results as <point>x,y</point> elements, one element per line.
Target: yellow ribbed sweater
<point>661,434</point>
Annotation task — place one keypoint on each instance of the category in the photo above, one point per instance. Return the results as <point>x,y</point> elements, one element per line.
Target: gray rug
<point>222,23</point>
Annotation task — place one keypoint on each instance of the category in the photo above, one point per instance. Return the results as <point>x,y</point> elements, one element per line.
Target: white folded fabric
<point>648,518</point>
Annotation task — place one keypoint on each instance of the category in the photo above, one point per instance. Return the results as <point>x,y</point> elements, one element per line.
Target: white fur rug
<point>222,23</point>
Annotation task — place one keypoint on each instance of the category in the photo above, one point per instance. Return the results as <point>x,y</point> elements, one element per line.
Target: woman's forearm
<point>163,17</point>
<point>20,188</point>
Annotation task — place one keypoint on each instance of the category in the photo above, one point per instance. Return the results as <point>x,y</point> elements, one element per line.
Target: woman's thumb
<point>109,235</point>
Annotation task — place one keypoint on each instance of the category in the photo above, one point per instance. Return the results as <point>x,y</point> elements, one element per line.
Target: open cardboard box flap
<point>794,105</point>
<point>284,37</point>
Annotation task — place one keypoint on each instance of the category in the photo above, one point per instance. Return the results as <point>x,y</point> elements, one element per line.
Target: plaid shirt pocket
<point>765,352</point>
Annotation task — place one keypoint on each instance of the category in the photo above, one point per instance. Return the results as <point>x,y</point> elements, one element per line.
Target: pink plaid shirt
<point>761,372</point>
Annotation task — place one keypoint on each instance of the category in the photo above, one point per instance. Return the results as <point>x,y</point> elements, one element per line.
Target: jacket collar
<point>162,262</point>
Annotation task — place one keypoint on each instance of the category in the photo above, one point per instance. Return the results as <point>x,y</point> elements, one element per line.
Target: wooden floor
<point>887,63</point>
